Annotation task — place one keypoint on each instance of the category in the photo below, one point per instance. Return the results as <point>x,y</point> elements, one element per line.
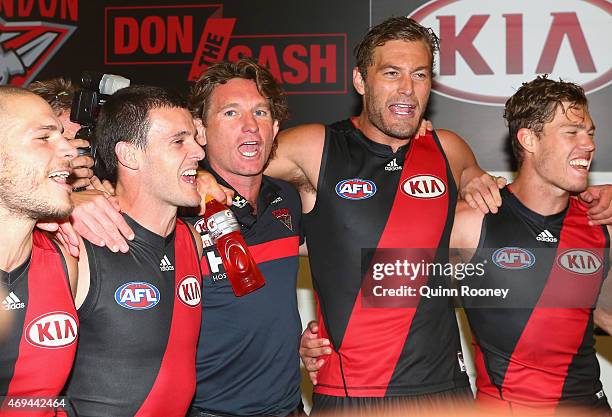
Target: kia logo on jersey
<point>137,296</point>
<point>53,330</point>
<point>189,291</point>
<point>579,261</point>
<point>356,189</point>
<point>488,48</point>
<point>513,258</point>
<point>424,186</point>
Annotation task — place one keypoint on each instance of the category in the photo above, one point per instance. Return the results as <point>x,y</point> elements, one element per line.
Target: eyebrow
<point>234,104</point>
<point>398,68</point>
<point>578,125</point>
<point>180,134</point>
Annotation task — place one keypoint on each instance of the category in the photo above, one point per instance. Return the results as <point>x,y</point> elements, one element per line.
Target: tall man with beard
<point>140,312</point>
<point>366,183</point>
<point>34,165</point>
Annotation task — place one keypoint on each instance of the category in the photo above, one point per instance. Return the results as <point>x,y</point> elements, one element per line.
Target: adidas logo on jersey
<point>165,264</point>
<point>546,236</point>
<point>393,166</point>
<point>12,302</point>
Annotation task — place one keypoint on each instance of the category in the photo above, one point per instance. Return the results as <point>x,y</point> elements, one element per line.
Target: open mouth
<point>61,177</point>
<point>249,149</point>
<point>403,109</point>
<point>189,176</point>
<point>580,164</point>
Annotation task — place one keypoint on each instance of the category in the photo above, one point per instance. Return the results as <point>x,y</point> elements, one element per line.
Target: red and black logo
<point>199,35</point>
<point>26,47</point>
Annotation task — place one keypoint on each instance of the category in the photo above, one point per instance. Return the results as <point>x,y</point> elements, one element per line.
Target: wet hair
<point>394,28</point>
<point>222,72</point>
<point>58,92</point>
<point>535,104</point>
<point>125,118</point>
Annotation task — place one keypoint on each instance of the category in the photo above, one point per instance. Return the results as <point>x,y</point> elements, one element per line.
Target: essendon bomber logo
<point>488,48</point>
<point>197,36</point>
<point>26,46</point>
<point>52,330</point>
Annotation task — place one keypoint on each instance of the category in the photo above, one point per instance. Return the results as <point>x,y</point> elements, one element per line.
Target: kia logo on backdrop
<point>488,49</point>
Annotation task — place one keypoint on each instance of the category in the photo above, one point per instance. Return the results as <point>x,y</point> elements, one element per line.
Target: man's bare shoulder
<point>466,214</point>
<point>297,157</point>
<point>467,226</point>
<point>451,141</point>
<point>306,134</point>
<point>71,263</point>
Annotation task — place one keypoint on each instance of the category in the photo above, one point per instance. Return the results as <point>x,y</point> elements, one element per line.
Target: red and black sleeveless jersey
<point>370,197</point>
<point>535,348</point>
<point>37,354</point>
<point>140,325</point>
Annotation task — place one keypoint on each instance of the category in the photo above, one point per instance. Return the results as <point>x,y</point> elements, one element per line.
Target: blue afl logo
<point>513,258</point>
<point>137,295</point>
<point>356,189</point>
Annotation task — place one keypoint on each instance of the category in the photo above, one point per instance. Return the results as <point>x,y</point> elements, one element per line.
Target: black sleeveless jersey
<point>140,325</point>
<point>535,348</point>
<point>368,198</point>
<point>37,354</point>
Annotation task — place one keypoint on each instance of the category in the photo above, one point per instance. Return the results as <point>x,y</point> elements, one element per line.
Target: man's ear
<point>358,81</point>
<point>275,128</point>
<point>527,139</point>
<point>126,155</point>
<point>201,136</point>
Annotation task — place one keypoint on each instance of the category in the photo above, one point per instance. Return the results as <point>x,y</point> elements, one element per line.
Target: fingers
<point>313,348</point>
<point>68,232</point>
<point>79,143</point>
<point>313,326</point>
<point>229,195</point>
<point>476,201</point>
<point>600,214</point>
<point>48,226</point>
<point>313,377</point>
<point>69,238</point>
<point>80,183</point>
<point>501,182</point>
<point>601,202</point>
<point>493,193</point>
<point>586,197</point>
<point>109,187</point>
<point>207,185</point>
<point>98,220</point>
<point>423,128</point>
<point>82,161</point>
<point>483,193</point>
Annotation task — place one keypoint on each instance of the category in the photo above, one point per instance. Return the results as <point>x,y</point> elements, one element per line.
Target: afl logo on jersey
<point>189,291</point>
<point>579,261</point>
<point>137,296</point>
<point>52,330</point>
<point>424,186</point>
<point>356,189</point>
<point>513,258</point>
